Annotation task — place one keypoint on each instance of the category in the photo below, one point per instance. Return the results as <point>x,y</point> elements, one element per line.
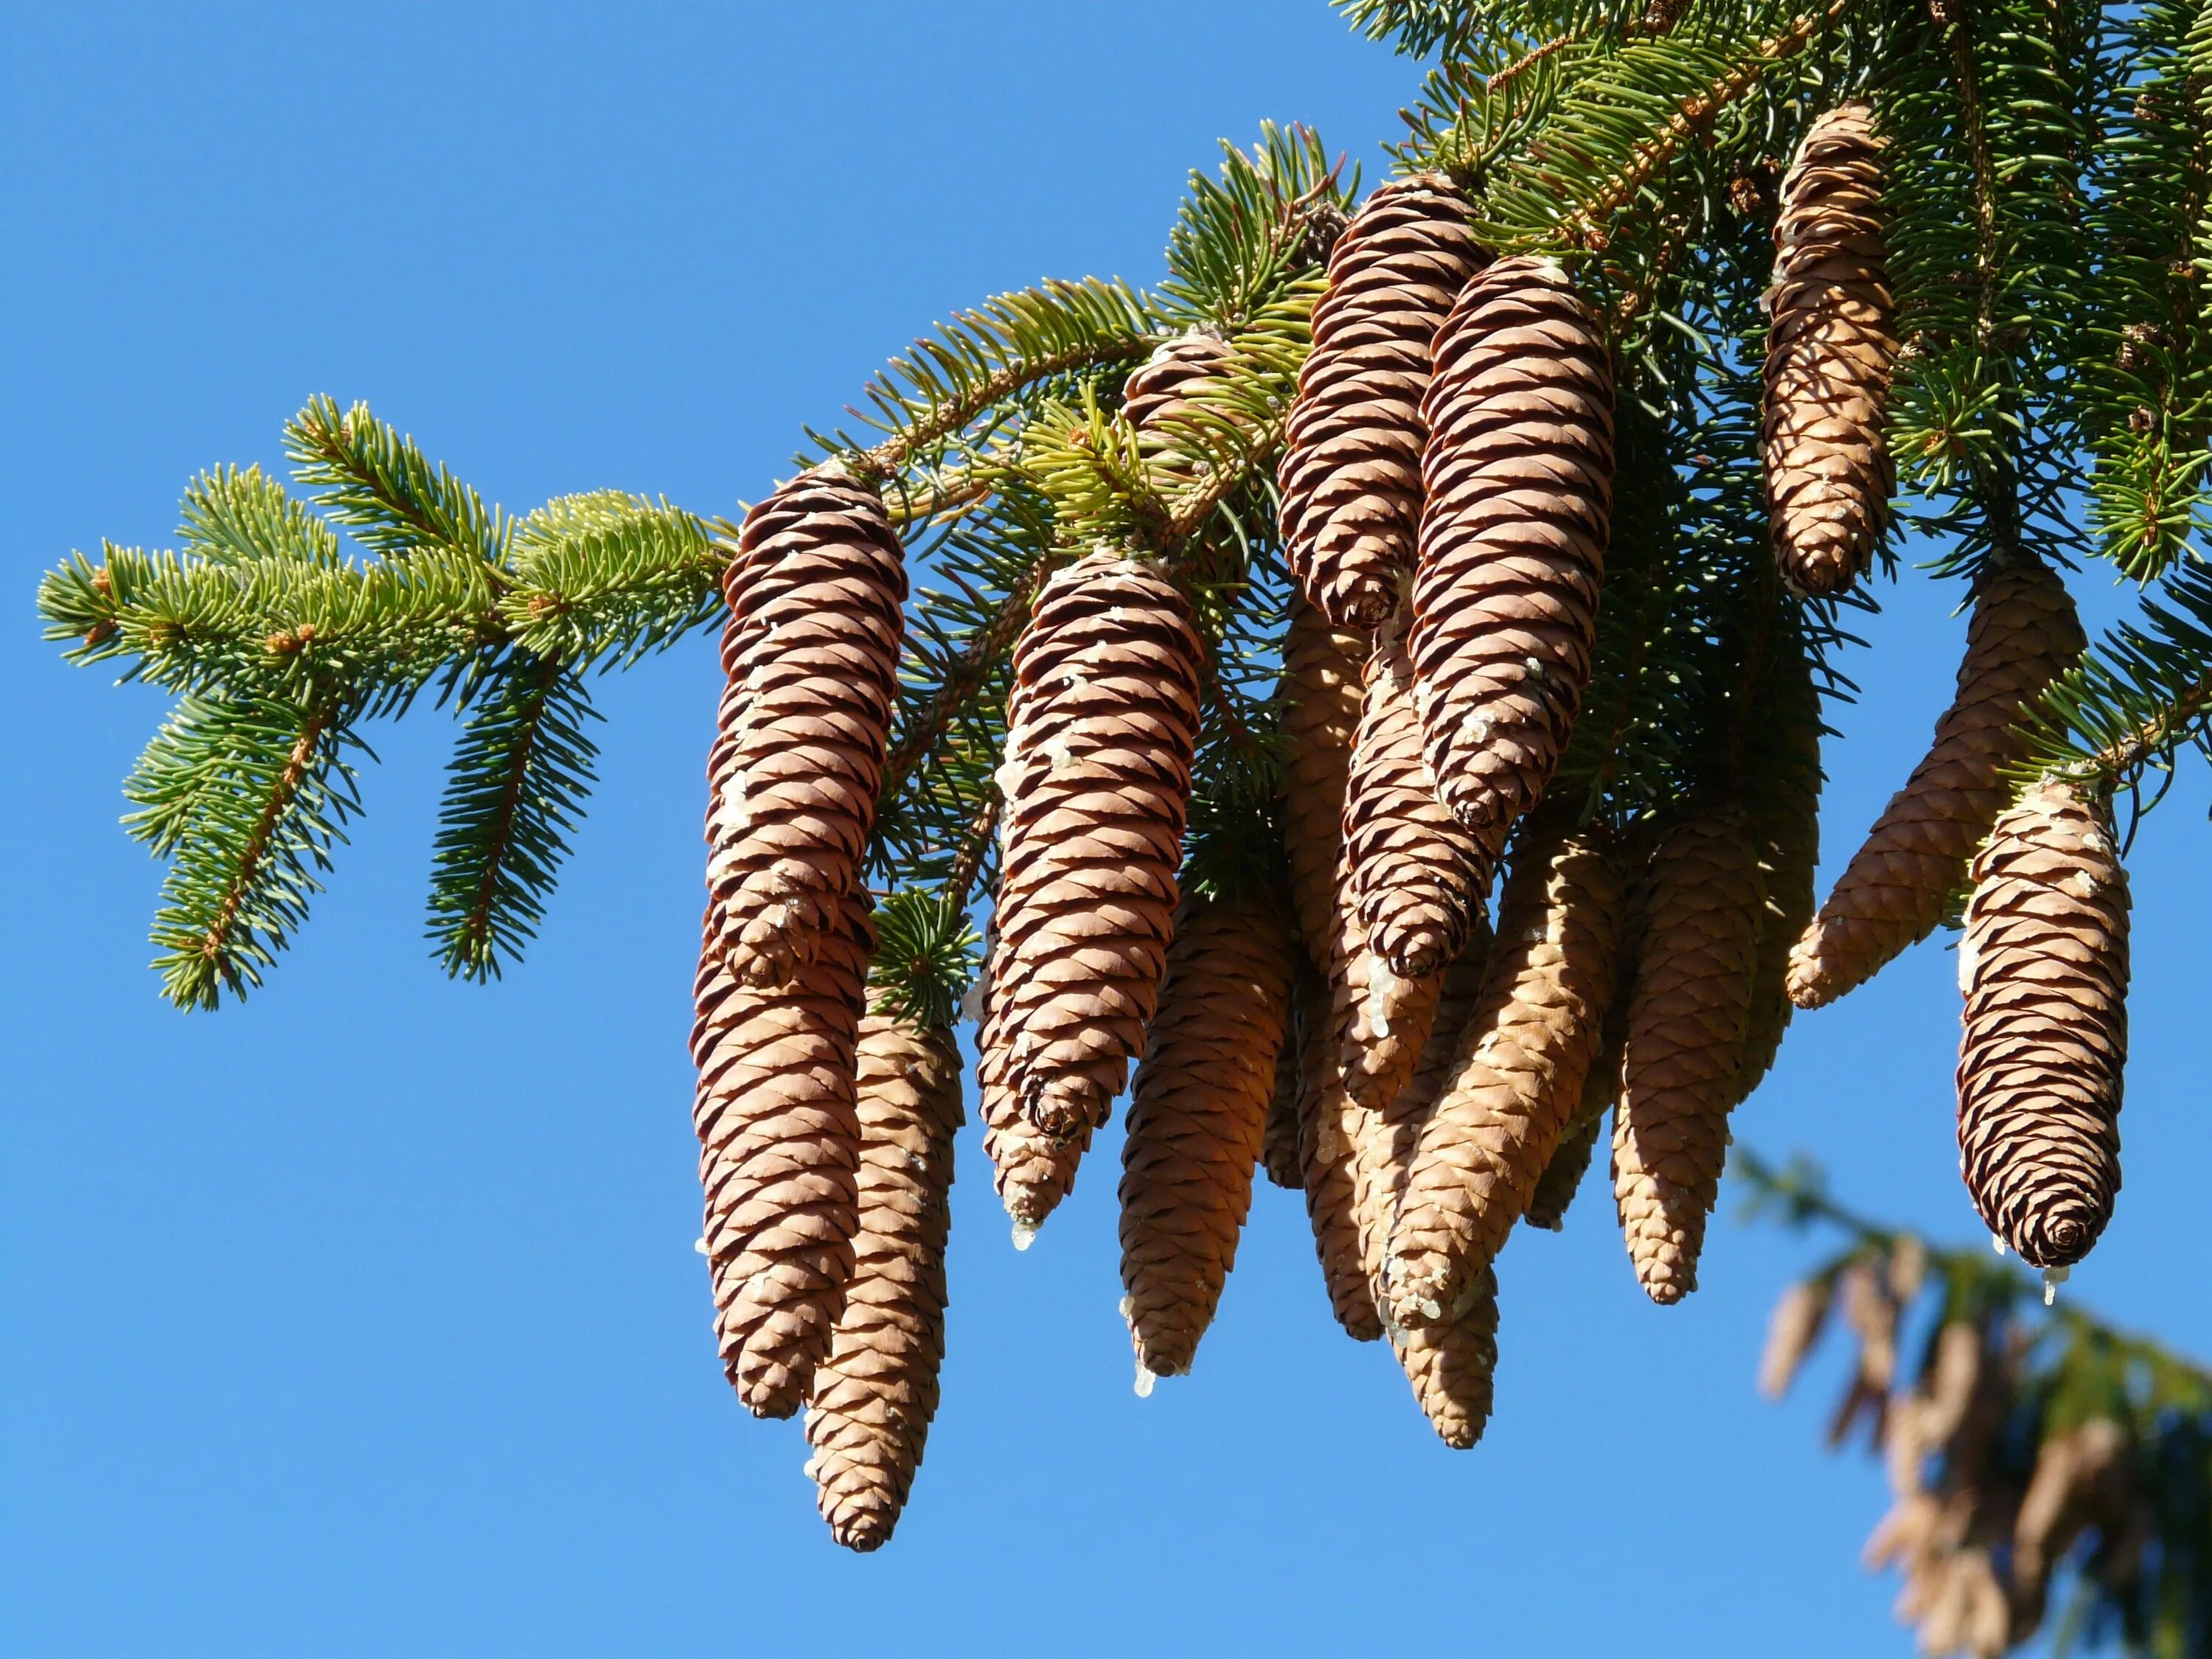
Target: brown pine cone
<point>1330,1122</point>
<point>1197,1115</point>
<point>1782,812</point>
<point>868,1412</point>
<point>1322,669</point>
<point>1351,473</point>
<point>1278,1149</point>
<point>1570,1159</point>
<point>2043,965</point>
<point>1452,1364</point>
<point>811,652</point>
<point>1418,880</point>
<point>1380,1021</point>
<point>1102,724</point>
<point>1519,470</point>
<point>1030,1170</point>
<point>1688,1013</point>
<point>1160,389</point>
<point>2024,634</point>
<point>1798,1320</point>
<point>1829,348</point>
<point>1519,1075</point>
<point>779,1140</point>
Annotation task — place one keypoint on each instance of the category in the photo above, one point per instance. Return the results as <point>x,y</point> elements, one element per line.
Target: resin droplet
<point>700,1245</point>
<point>1025,1235</point>
<point>2052,1279</point>
<point>1144,1381</point>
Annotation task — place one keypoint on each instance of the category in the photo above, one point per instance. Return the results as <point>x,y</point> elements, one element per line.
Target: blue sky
<point>364,1319</point>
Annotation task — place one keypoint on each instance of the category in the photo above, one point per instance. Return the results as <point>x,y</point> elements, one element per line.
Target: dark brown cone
<point>1102,724</point>
<point>1418,880</point>
<point>1322,669</point>
<point>1688,1012</point>
<point>1829,348</point>
<point>1352,473</point>
<point>1453,1365</point>
<point>868,1413</point>
<point>2024,634</point>
<point>2043,965</point>
<point>1783,813</point>
<point>1197,1115</point>
<point>1278,1150</point>
<point>779,1138</point>
<point>1518,1076</point>
<point>810,652</point>
<point>1519,470</point>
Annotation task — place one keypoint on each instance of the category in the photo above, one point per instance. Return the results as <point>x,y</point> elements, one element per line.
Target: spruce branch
<point>371,478</point>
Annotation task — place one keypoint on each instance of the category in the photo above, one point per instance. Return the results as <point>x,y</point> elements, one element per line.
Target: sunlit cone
<point>1790,1333</point>
<point>1159,390</point>
<point>779,1150</point>
<point>1518,1077</point>
<point>1102,728</point>
<point>1688,1012</point>
<point>1519,470</point>
<point>2043,965</point>
<point>1279,1152</point>
<point>1419,879</point>
<point>1197,1115</point>
<point>2024,634</point>
<point>1352,471</point>
<point>1829,348</point>
<point>869,1409</point>
<point>1782,808</point>
<point>1322,665</point>
<point>1452,1364</point>
<point>1329,1122</point>
<point>810,652</point>
<point>1570,1159</point>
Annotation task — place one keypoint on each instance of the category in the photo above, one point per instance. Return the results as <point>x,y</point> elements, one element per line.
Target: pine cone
<point>1829,348</point>
<point>1519,1078</point>
<point>1570,1159</point>
<point>1688,1013</point>
<point>2044,968</point>
<point>1030,1170</point>
<point>1519,470</point>
<point>1418,880</point>
<point>1452,1364</point>
<point>1351,474</point>
<point>1329,1122</point>
<point>868,1413</point>
<point>1321,672</point>
<point>1278,1150</point>
<point>779,1138</point>
<point>1782,812</point>
<point>1197,1116</point>
<point>811,652</point>
<point>1798,1319</point>
<point>1159,390</point>
<point>2023,634</point>
<point>1102,729</point>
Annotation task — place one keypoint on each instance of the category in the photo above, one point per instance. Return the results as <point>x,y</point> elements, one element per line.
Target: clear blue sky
<point>364,1319</point>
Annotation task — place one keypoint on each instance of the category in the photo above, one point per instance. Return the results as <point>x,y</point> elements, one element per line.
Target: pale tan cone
<point>869,1409</point>
<point>1352,469</point>
<point>1517,1078</point>
<point>1102,729</point>
<point>810,652</point>
<point>1570,1159</point>
<point>1688,1012</point>
<point>1419,879</point>
<point>1453,1365</point>
<point>1279,1153</point>
<point>1830,347</point>
<point>2024,634</point>
<point>1518,467</point>
<point>1322,665</point>
<point>1197,1116</point>
<point>779,1150</point>
<point>2044,966</point>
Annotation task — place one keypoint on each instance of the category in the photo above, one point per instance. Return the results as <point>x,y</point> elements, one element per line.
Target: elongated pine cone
<point>1030,1170</point>
<point>1322,665</point>
<point>1159,390</point>
<point>1782,808</point>
<point>1352,471</point>
<point>810,652</point>
<point>1453,1363</point>
<point>1330,1122</point>
<point>1419,879</point>
<point>1570,1159</point>
<point>1829,348</point>
<point>1519,470</point>
<point>1197,1113</point>
<point>1380,1020</point>
<point>2044,968</point>
<point>1517,1079</point>
<point>2023,634</point>
<point>1688,1013</point>
<point>868,1413</point>
<point>1279,1150</point>
<point>1102,727</point>
<point>779,1150</point>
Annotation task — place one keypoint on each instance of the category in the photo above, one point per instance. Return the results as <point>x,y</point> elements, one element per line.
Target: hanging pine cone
<point>2024,634</point>
<point>1782,812</point>
<point>1197,1115</point>
<point>1102,729</point>
<point>1278,1150</point>
<point>1521,1074</point>
<point>1322,671</point>
<point>778,1140</point>
<point>868,1412</point>
<point>1330,1122</point>
<point>1688,1013</point>
<point>1030,1170</point>
<point>1519,470</point>
<point>810,651</point>
<point>2044,968</point>
<point>1570,1159</point>
<point>1829,348</point>
<point>1160,390</point>
<point>1352,471</point>
<point>1418,880</point>
<point>1452,1364</point>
